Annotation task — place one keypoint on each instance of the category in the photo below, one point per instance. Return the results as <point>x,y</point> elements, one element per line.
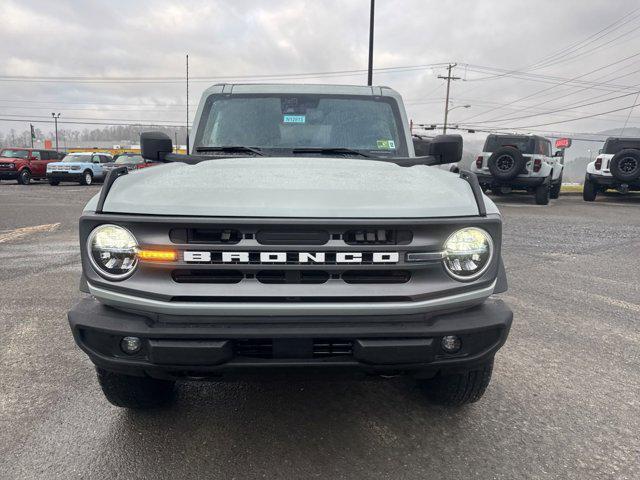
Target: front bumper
<point>8,175</point>
<point>65,176</point>
<point>175,347</point>
<point>524,183</point>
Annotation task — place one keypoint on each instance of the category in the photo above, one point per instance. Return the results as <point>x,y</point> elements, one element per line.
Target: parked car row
<point>26,164</point>
<point>526,162</point>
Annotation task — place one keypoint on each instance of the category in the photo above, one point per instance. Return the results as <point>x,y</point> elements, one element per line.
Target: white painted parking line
<point>24,231</point>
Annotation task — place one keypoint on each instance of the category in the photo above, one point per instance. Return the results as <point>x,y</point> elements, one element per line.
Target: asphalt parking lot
<point>564,401</point>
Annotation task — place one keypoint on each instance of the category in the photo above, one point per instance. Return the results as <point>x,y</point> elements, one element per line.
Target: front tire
<point>542,193</point>
<point>24,177</point>
<point>127,391</point>
<point>87,178</point>
<point>589,191</point>
<point>54,183</point>
<point>459,389</point>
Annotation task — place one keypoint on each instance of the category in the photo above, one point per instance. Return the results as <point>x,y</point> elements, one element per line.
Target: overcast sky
<point>125,39</point>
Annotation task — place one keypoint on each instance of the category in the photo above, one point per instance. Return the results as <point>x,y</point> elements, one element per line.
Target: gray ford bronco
<point>302,234</point>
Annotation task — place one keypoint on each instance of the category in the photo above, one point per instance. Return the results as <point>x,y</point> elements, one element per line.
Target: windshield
<point>371,124</point>
<point>614,145</point>
<point>129,159</point>
<point>77,159</point>
<point>524,144</point>
<point>11,153</point>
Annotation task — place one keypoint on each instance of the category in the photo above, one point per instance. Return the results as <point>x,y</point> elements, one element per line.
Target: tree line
<point>118,134</point>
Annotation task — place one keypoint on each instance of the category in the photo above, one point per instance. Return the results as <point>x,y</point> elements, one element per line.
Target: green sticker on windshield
<point>386,145</point>
<point>295,119</point>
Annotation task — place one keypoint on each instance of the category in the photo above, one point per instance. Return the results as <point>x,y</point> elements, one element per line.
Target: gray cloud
<point>244,37</point>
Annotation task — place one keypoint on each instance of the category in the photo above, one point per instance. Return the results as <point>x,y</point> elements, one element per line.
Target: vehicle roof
<point>28,148</point>
<point>300,88</point>
<point>626,139</point>
<point>89,153</point>
<point>521,135</point>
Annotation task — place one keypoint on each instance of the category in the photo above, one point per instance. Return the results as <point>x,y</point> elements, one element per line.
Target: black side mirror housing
<point>155,146</point>
<point>421,145</point>
<point>446,149</point>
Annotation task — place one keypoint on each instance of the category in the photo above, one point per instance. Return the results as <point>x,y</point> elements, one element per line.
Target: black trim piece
<point>112,176</point>
<point>472,180</point>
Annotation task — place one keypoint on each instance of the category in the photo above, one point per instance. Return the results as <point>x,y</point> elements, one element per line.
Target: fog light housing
<point>451,343</point>
<point>130,345</point>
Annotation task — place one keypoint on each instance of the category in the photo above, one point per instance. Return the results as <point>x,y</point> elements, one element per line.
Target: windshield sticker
<point>295,119</point>
<point>386,145</point>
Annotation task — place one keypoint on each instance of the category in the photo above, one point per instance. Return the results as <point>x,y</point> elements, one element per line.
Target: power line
<point>555,86</point>
<point>102,79</point>
<point>549,112</point>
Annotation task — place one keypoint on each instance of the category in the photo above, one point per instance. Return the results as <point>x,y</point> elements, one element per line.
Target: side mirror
<point>155,146</point>
<point>446,148</point>
<point>421,146</point>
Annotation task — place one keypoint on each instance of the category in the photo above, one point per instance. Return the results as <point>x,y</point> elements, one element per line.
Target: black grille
<point>376,276</point>
<point>378,237</point>
<point>293,348</point>
<point>207,276</point>
<point>292,237</point>
<point>332,348</point>
<point>292,276</point>
<point>254,348</point>
<point>205,235</point>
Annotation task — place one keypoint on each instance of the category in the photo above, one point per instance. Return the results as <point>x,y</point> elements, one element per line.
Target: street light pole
<point>370,69</point>
<point>448,78</point>
<point>55,119</point>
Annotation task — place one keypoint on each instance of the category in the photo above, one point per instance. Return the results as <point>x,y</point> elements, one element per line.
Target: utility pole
<point>187,104</point>
<point>175,135</point>
<point>33,134</point>
<point>448,78</point>
<point>55,119</point>
<point>370,70</point>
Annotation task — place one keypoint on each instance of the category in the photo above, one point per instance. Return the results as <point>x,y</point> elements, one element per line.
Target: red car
<point>24,164</point>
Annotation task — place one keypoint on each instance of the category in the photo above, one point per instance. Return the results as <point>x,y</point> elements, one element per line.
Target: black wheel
<point>589,191</point>
<point>459,388</point>
<point>555,188</point>
<point>134,392</point>
<point>54,182</point>
<point>24,177</point>
<point>87,178</point>
<point>625,165</point>
<point>542,193</point>
<point>506,163</point>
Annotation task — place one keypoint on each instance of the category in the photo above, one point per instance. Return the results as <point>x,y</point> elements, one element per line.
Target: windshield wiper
<point>330,151</point>
<point>231,149</point>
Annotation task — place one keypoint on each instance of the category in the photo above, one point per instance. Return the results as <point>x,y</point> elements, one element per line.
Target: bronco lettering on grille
<point>291,257</point>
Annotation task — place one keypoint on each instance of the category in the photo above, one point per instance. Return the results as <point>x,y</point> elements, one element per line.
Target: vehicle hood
<point>10,159</point>
<point>67,164</point>
<point>300,187</point>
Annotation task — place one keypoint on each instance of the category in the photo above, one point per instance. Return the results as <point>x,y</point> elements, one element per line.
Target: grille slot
<point>205,235</point>
<point>376,276</point>
<point>323,348</point>
<point>378,236</point>
<point>207,276</point>
<point>292,237</point>
<point>292,276</point>
<point>254,348</point>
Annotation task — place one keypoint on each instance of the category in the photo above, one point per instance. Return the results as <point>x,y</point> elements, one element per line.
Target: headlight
<point>112,251</point>
<point>468,253</point>
<point>75,167</point>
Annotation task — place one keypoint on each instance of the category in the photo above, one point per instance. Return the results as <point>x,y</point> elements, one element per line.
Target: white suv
<point>617,166</point>
<point>520,162</point>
